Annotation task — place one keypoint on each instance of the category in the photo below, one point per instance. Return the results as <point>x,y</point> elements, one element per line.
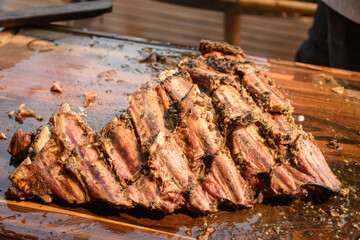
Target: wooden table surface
<point>32,58</point>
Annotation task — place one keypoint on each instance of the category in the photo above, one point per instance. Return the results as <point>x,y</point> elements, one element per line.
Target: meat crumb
<point>20,144</point>
<point>56,87</point>
<point>89,98</point>
<point>39,118</point>
<point>206,234</point>
<point>11,114</point>
<point>334,144</point>
<point>338,90</point>
<point>3,136</point>
<point>22,113</point>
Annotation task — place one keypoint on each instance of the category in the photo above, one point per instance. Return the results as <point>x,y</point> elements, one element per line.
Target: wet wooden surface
<point>31,59</point>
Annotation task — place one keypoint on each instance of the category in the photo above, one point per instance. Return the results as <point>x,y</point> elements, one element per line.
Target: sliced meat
<point>72,127</point>
<point>287,181</point>
<point>311,161</point>
<point>207,46</point>
<point>225,183</point>
<point>169,164</point>
<point>279,128</point>
<point>222,63</point>
<point>20,144</point>
<point>50,150</point>
<point>145,192</point>
<point>234,107</point>
<point>88,165</point>
<point>250,151</point>
<point>43,135</point>
<point>122,148</point>
<point>176,83</point>
<point>205,77</point>
<point>263,89</point>
<point>148,109</point>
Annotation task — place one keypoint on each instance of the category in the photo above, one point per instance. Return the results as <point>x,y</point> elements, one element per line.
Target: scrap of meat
<point>207,46</point>
<point>90,97</point>
<point>56,87</point>
<point>22,113</point>
<point>213,131</point>
<point>20,144</point>
<point>3,136</point>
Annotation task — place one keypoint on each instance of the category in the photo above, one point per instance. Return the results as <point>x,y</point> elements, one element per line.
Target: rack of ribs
<point>214,131</point>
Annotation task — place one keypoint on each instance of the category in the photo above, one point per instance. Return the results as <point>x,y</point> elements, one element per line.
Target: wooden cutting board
<point>115,66</point>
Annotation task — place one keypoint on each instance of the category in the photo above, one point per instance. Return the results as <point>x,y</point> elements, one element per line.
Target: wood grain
<point>111,67</point>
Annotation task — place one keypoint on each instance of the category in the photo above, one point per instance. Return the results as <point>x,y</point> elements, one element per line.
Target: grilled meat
<point>311,161</point>
<point>213,131</point>
<point>146,193</point>
<point>250,151</point>
<point>122,148</point>
<point>90,168</point>
<point>148,109</point>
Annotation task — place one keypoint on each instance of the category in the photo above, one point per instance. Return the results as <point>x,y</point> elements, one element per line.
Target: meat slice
<point>198,136</point>
<point>145,192</point>
<point>223,63</point>
<point>122,148</point>
<point>207,46</point>
<point>72,127</point>
<point>251,152</point>
<point>20,144</point>
<point>279,128</point>
<point>90,168</point>
<point>311,161</point>
<point>169,164</point>
<point>204,76</point>
<point>287,181</point>
<point>233,103</point>
<point>234,107</point>
<point>225,183</point>
<point>43,135</point>
<point>263,89</point>
<point>176,83</point>
<point>148,109</point>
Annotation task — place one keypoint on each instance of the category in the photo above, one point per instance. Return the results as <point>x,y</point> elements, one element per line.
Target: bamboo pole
<point>232,27</point>
<point>278,5</point>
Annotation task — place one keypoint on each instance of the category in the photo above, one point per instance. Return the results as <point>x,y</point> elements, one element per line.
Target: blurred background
<point>266,33</point>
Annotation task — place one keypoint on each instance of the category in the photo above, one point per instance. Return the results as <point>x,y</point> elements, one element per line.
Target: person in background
<point>334,38</point>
